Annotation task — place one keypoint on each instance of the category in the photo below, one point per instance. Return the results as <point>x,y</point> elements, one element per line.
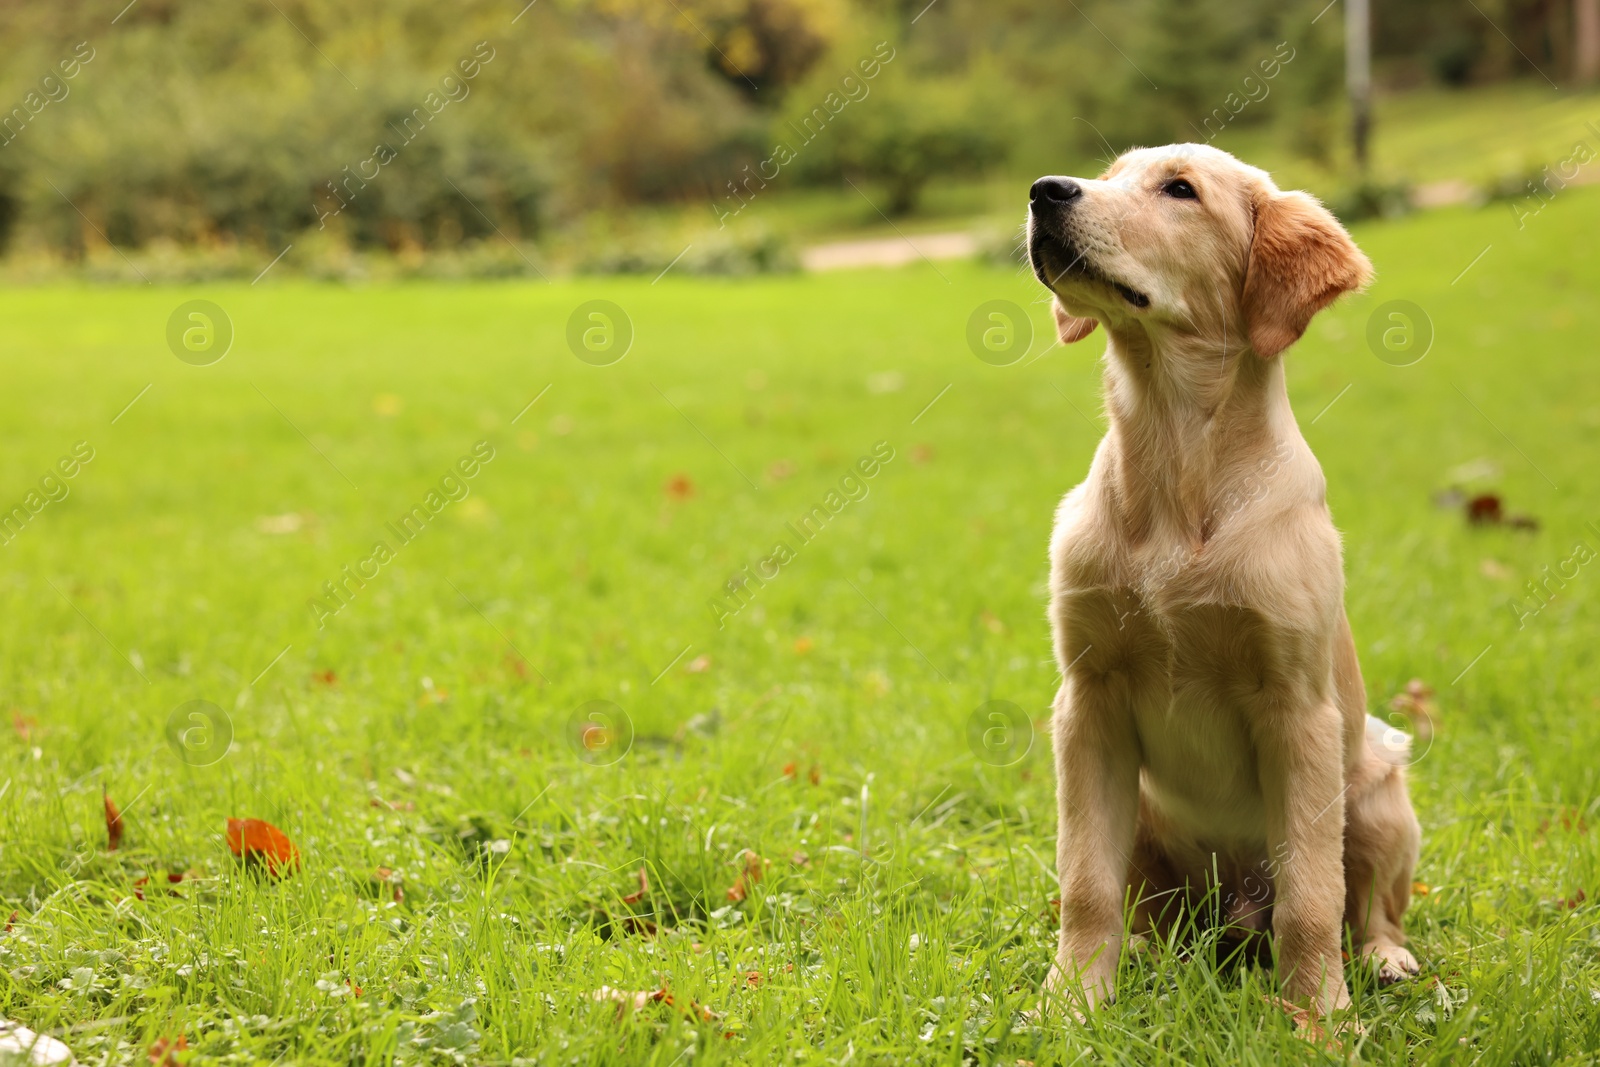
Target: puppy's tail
<point>1392,745</point>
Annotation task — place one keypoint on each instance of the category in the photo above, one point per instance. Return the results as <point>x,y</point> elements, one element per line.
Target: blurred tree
<point>1586,41</point>
<point>915,132</point>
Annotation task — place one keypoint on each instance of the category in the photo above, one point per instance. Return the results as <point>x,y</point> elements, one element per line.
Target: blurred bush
<point>1371,199</point>
<point>724,252</point>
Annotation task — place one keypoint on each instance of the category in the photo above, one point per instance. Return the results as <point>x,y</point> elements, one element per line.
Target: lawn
<point>836,867</point>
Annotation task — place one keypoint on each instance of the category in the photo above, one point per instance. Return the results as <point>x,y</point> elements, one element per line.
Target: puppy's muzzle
<point>1054,252</point>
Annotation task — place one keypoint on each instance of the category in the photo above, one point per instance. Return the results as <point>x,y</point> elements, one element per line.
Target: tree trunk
<point>1358,77</point>
<point>1586,41</point>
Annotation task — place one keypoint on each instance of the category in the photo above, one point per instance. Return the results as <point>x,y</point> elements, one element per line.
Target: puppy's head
<point>1186,238</point>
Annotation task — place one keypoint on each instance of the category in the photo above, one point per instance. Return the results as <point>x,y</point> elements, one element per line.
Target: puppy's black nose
<point>1055,190</point>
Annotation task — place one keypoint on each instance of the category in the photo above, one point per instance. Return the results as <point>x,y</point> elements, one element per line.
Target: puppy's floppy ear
<point>1301,259</point>
<point>1070,328</point>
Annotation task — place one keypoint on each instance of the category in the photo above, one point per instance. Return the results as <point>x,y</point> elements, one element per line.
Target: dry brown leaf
<point>1485,509</point>
<point>172,879</point>
<point>385,877</point>
<point>24,725</point>
<point>630,924</point>
<point>1571,819</point>
<point>11,921</point>
<point>258,841</point>
<point>754,867</point>
<point>633,1000</point>
<point>1417,704</point>
<point>113,824</point>
<point>679,487</point>
<point>164,1052</point>
<point>644,887</point>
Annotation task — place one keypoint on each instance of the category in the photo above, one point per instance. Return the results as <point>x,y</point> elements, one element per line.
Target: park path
<point>888,251</point>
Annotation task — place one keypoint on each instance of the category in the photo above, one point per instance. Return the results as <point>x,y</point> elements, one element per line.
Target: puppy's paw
<point>1064,994</point>
<point>1316,1028</point>
<point>1393,963</point>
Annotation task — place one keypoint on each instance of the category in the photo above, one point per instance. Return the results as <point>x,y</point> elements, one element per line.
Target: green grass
<point>905,914</point>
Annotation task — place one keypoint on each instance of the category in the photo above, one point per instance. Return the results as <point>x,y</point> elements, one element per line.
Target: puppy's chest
<point>1198,678</point>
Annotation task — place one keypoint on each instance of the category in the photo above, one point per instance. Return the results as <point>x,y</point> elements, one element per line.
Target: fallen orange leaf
<point>173,878</point>
<point>24,725</point>
<point>113,824</point>
<point>644,887</point>
<point>11,921</point>
<point>384,876</point>
<point>162,1052</point>
<point>754,865</point>
<point>1420,889</point>
<point>633,1000</point>
<point>258,841</point>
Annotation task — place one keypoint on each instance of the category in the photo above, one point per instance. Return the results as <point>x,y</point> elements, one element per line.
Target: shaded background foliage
<point>203,124</point>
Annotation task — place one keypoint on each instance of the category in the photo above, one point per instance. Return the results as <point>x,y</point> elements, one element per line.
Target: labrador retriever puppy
<point>1211,731</point>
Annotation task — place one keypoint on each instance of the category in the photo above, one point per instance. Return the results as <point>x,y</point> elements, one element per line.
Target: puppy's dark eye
<point>1179,189</point>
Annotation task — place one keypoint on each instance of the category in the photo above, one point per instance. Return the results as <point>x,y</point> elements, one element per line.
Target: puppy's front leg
<point>1302,781</point>
<point>1097,794</point>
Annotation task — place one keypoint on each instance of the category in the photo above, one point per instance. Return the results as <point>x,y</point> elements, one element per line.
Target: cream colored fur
<point>1211,715</point>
